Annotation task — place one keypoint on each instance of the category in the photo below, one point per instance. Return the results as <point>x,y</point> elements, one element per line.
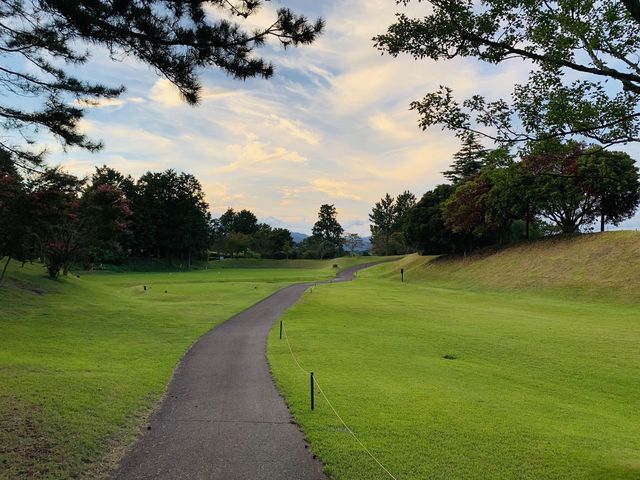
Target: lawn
<point>83,360</point>
<point>446,380</point>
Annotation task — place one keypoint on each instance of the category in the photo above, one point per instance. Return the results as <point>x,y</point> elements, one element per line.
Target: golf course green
<point>84,360</point>
<point>518,364</point>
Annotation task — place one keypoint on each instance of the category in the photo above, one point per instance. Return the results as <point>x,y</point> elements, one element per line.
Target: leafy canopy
<point>573,47</point>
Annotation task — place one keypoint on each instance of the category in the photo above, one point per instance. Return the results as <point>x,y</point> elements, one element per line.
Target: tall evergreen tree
<point>328,231</point>
<point>404,203</point>
<point>388,218</point>
<point>383,222</point>
<point>467,162</point>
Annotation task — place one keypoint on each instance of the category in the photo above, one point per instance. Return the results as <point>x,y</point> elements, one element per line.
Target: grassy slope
<point>84,359</point>
<point>601,266</point>
<point>543,386</point>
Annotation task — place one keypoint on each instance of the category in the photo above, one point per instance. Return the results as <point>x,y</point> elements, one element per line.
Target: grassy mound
<point>511,365</point>
<point>602,265</point>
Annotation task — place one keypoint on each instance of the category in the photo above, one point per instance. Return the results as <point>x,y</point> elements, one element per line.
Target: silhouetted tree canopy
<point>40,39</point>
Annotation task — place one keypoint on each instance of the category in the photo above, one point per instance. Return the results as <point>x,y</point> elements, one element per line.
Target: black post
<point>402,275</point>
<point>280,329</point>
<point>312,392</point>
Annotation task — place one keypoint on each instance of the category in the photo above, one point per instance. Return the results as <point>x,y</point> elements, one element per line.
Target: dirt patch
<point>25,286</point>
<point>26,448</point>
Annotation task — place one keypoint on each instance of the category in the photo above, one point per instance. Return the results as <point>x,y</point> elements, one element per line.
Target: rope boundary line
<point>315,381</point>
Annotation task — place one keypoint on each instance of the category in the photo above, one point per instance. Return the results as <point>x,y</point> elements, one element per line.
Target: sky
<point>332,126</point>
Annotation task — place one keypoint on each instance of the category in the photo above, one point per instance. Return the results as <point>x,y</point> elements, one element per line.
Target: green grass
<point>83,360</point>
<point>541,385</point>
<point>602,266</point>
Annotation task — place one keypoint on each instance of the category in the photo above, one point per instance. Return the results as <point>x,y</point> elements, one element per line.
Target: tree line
<point>554,187</point>
<point>108,218</point>
<point>58,218</point>
<point>239,233</point>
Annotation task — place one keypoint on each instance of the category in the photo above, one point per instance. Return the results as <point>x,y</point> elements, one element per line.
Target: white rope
<point>333,408</point>
<point>290,350</point>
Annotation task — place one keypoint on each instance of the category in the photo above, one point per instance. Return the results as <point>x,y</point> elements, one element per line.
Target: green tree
<point>404,203</point>
<point>328,232</point>
<point>171,217</point>
<point>177,38</point>
<point>388,218</point>
<point>236,243</point>
<point>425,228</point>
<point>383,223</point>
<point>270,242</point>
<point>464,211</point>
<point>226,221</point>
<point>511,197</point>
<point>613,178</point>
<point>106,209</point>
<point>281,243</point>
<point>245,222</point>
<point>59,229</point>
<point>108,176</point>
<point>557,189</point>
<point>468,161</point>
<point>573,49</point>
<point>16,219</point>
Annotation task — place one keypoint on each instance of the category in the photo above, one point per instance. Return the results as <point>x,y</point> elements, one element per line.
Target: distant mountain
<point>298,237</point>
<point>366,244</point>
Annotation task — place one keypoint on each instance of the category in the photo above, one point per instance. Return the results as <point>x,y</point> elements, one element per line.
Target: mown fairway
<point>536,386</point>
<point>84,359</point>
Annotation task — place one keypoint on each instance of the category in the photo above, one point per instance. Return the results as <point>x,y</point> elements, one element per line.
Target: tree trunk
<point>601,222</point>
<point>527,234</point>
<point>4,270</point>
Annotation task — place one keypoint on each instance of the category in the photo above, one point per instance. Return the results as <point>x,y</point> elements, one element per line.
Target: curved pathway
<point>222,417</point>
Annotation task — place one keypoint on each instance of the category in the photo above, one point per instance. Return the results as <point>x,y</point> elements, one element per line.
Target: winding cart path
<point>222,417</point>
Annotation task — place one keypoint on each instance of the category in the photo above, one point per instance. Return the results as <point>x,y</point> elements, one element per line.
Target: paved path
<point>222,417</point>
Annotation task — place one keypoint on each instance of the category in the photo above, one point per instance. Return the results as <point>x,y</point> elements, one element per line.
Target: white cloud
<point>165,94</point>
<point>294,129</point>
<point>334,188</point>
<point>255,154</point>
